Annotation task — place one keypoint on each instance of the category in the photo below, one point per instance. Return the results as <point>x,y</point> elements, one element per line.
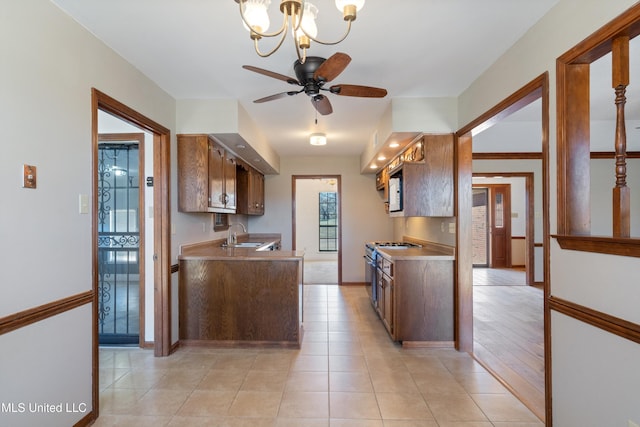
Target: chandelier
<point>299,15</point>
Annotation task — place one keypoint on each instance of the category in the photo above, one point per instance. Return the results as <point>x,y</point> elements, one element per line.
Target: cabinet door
<point>229,182</point>
<point>216,176</point>
<point>388,304</point>
<point>380,293</point>
<point>193,173</point>
<point>257,192</point>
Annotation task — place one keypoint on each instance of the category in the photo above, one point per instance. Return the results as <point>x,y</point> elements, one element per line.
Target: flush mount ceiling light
<point>318,139</point>
<point>299,15</point>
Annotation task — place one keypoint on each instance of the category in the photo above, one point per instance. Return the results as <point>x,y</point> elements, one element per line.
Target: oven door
<point>370,277</point>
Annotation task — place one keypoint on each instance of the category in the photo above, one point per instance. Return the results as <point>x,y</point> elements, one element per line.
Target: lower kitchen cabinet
<point>415,300</point>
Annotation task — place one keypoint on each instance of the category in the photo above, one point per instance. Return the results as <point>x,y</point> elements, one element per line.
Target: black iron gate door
<point>118,244</point>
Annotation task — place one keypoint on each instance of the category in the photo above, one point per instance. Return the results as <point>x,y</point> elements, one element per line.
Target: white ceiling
<point>413,48</point>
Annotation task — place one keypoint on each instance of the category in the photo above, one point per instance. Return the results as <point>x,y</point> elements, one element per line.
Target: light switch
<point>28,176</point>
<point>83,203</point>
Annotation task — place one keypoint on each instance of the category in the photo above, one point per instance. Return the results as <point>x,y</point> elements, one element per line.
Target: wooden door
<point>500,196</point>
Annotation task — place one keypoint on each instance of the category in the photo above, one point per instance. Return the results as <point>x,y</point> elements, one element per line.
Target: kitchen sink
<point>248,244</point>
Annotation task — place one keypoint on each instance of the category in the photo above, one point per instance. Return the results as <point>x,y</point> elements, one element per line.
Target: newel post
<point>621,193</point>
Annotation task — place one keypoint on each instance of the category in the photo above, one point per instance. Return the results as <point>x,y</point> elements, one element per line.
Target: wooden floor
<point>509,333</point>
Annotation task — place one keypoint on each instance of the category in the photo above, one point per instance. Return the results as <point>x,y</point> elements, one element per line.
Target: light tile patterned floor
<point>347,374</point>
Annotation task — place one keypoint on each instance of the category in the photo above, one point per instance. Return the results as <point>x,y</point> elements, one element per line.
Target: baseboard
<point>353,284</point>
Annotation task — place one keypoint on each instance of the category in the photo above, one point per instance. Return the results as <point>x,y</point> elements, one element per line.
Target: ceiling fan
<point>312,75</point>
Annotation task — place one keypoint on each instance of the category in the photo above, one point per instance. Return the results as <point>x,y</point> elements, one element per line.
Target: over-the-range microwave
<point>395,193</point>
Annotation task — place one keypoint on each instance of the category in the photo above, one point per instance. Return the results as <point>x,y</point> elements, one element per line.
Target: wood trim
<point>355,284</point>
<point>507,156</point>
<point>87,420</point>
<point>612,155</point>
<point>603,245</point>
<point>338,179</point>
<point>521,98</point>
<point>537,88</point>
<point>463,264</point>
<point>606,322</point>
<point>36,314</point>
<point>599,43</point>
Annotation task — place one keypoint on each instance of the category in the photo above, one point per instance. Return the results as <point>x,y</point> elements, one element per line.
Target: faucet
<point>232,238</point>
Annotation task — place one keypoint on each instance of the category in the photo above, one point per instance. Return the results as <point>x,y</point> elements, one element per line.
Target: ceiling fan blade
<point>322,105</point>
<point>274,97</point>
<point>268,73</point>
<point>356,90</point>
<point>332,67</point>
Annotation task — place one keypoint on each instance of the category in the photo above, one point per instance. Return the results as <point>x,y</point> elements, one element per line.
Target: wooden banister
<point>621,193</point>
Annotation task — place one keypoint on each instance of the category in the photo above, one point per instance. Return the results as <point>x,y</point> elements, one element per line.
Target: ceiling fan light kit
<point>312,75</point>
<point>318,139</point>
<point>299,15</point>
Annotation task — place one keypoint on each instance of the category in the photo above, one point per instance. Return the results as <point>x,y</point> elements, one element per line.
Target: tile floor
<point>347,373</point>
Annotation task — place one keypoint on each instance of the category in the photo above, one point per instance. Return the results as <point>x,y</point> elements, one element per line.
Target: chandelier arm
<point>272,51</point>
<point>282,29</point>
<point>301,57</point>
<point>344,36</point>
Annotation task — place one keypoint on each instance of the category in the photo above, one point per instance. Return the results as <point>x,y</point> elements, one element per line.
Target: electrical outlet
<point>452,227</point>
<point>632,424</point>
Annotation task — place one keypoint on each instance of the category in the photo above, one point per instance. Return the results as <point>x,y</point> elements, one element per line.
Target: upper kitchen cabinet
<point>250,190</point>
<point>420,180</point>
<point>206,176</point>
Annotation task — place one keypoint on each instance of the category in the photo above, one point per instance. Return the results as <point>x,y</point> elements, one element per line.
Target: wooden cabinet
<point>425,170</point>
<point>241,301</point>
<point>206,176</point>
<point>385,304</point>
<point>250,194</point>
<point>415,300</point>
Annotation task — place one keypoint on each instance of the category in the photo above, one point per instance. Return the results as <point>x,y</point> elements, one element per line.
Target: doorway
<point>468,152</point>
<point>160,182</point>
<point>317,226</point>
<point>492,225</point>
<point>121,239</point>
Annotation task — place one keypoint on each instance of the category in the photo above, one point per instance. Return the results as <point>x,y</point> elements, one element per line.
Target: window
<point>589,220</point>
<point>328,224</point>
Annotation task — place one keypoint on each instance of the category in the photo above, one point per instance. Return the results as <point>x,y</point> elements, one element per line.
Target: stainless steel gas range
<point>370,263</point>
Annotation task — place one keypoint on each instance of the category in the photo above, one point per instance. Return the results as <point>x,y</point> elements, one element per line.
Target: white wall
<point>50,64</point>
<point>363,216</point>
<point>589,383</point>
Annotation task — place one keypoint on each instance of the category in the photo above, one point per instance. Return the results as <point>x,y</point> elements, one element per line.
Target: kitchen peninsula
<point>239,295</point>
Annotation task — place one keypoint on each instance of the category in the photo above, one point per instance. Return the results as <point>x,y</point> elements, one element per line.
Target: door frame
<point>161,230</point>
<point>139,137</point>
<point>338,179</point>
<point>529,217</point>
<point>538,88</point>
